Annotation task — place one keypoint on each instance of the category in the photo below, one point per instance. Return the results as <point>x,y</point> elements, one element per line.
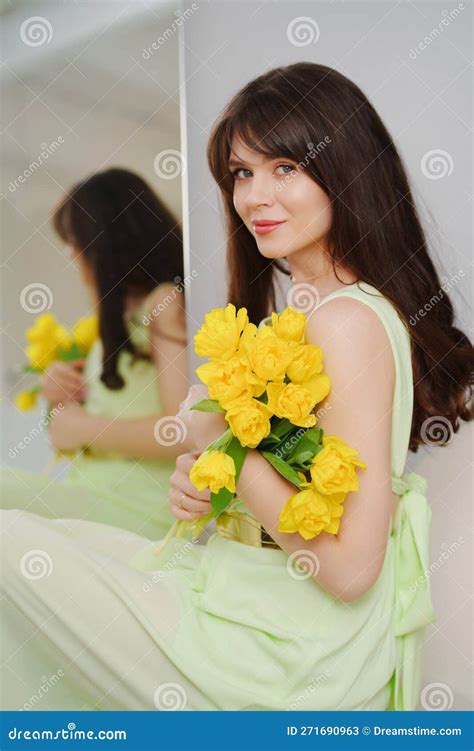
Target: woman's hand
<point>185,500</point>
<point>63,382</point>
<point>68,429</point>
<point>201,427</point>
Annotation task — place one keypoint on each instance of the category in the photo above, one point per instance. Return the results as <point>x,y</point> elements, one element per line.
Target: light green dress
<point>223,626</point>
<point>124,492</point>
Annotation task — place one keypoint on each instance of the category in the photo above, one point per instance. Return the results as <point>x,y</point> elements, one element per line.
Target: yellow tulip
<point>307,362</point>
<point>249,422</point>
<point>219,336</point>
<point>26,400</point>
<point>231,381</point>
<point>310,513</point>
<point>293,402</point>
<point>289,325</point>
<point>334,468</point>
<point>43,328</point>
<point>214,470</point>
<point>269,356</point>
<point>85,332</point>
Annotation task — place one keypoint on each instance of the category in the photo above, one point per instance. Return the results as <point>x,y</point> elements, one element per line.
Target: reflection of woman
<point>233,624</point>
<point>127,247</point>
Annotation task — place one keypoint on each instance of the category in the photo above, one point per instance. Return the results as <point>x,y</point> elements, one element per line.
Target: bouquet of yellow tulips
<point>267,381</point>
<point>48,342</point>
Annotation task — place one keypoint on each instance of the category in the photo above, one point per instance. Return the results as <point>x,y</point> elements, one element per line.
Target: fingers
<point>185,507</point>
<point>180,481</point>
<point>62,382</point>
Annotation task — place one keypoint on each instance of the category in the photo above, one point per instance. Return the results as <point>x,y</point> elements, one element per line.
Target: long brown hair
<point>375,233</point>
<point>131,242</point>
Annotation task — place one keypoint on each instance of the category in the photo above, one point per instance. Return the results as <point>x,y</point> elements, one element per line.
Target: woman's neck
<point>315,267</point>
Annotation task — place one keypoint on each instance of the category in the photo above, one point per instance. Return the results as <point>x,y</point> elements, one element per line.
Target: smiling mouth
<point>264,227</point>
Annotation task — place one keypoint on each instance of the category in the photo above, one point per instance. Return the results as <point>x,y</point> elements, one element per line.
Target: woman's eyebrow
<point>232,162</point>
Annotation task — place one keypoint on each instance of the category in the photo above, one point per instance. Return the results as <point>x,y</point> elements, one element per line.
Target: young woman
<point>236,625</point>
<point>121,402</point>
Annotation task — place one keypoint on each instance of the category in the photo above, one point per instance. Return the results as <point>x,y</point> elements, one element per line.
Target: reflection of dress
<point>123,492</point>
<point>226,625</point>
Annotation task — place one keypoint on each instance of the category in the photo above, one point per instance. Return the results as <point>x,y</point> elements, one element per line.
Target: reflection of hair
<point>131,242</point>
<point>375,230</point>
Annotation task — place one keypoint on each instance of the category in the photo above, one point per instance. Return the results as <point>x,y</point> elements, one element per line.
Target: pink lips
<point>264,226</point>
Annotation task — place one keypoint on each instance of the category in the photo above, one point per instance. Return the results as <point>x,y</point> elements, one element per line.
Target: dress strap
<point>413,604</point>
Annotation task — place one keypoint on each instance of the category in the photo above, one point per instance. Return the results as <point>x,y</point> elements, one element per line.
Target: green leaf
<point>283,468</point>
<point>310,440</point>
<point>207,405</point>
<point>221,500</point>
<point>73,353</point>
<point>221,443</point>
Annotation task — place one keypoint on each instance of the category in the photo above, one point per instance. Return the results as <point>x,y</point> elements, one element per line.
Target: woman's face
<point>272,189</point>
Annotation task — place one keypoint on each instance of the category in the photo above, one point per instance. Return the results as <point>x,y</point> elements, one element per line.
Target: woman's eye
<point>286,167</point>
<point>236,172</point>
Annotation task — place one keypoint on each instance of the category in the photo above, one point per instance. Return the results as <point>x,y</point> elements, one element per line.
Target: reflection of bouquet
<point>267,381</point>
<point>48,342</point>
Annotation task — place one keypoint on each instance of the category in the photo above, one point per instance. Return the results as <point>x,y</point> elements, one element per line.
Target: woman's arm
<point>359,360</point>
<point>74,428</point>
